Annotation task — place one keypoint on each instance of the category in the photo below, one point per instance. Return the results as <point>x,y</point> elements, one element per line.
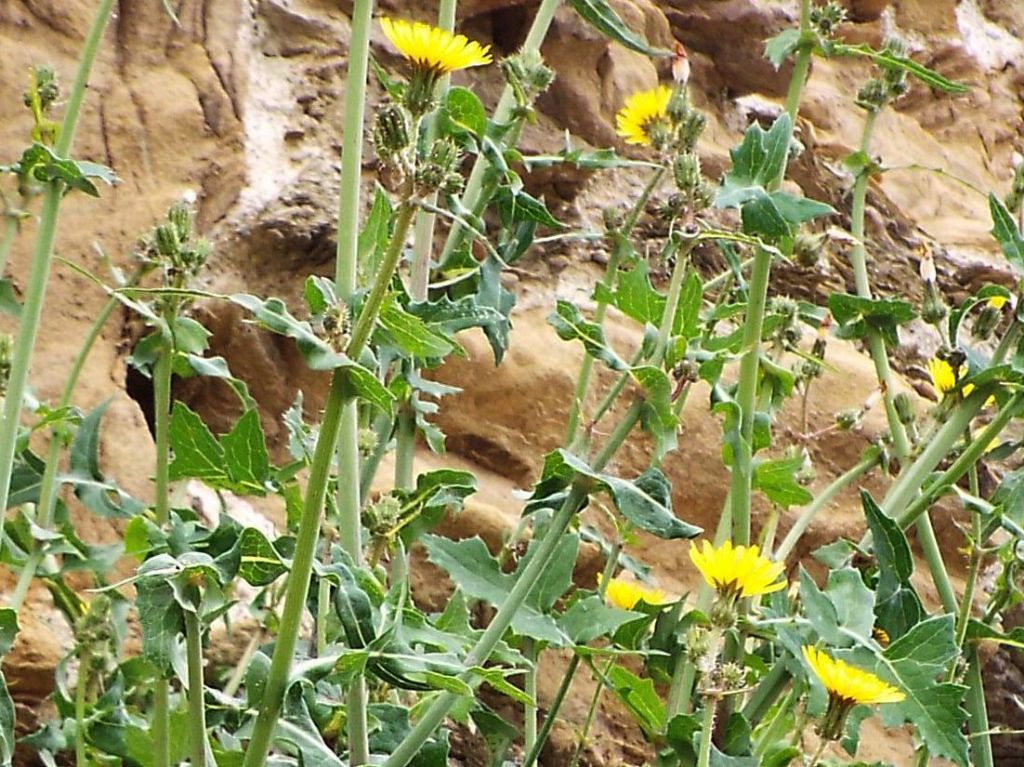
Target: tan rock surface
<point>242,105</point>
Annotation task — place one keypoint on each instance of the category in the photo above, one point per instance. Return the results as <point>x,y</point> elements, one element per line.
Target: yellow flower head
<point>643,112</point>
<point>626,594</point>
<point>739,570</point>
<point>944,378</point>
<point>847,684</point>
<point>434,50</point>
<point>997,302</point>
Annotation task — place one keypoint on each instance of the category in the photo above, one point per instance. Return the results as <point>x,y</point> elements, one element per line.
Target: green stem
<point>538,564</point>
<point>746,397</point>
<point>368,470</point>
<point>574,663</point>
<point>81,691</point>
<point>899,497</point>
<point>161,511</point>
<point>299,577</point>
<point>503,113</point>
<point>338,400</point>
<point>801,68</point>
<point>196,685</point>
<point>405,452</point>
<point>707,724</point>
<point>936,564</point>
<point>869,461</point>
<point>981,741</point>
<point>532,656</point>
<point>818,754</point>
<point>41,261</point>
<point>595,701</point>
<point>611,273</point>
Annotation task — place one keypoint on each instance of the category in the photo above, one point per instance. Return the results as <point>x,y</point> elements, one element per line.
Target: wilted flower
<point>737,571</point>
<point>645,116</point>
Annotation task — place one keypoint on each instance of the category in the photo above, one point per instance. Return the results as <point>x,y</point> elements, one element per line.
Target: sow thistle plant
<point>344,668</point>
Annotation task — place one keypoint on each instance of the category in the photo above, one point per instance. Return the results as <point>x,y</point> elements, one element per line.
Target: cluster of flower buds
<point>812,366</point>
<point>825,18</point>
<point>40,97</point>
<point>528,77</point>
<point>788,332</point>
<point>439,171</point>
<point>688,123</point>
<point>879,91</point>
<point>366,441</point>
<point>174,248</point>
<point>381,516</point>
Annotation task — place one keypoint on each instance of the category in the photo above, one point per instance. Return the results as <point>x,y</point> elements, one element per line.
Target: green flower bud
<point>337,326</point>
<point>168,244</point>
<point>872,95</point>
<point>367,441</point>
<point>528,76</point>
<point>380,517</point>
<point>933,309</point>
<point>985,325</point>
<point>686,171</point>
<point>807,249</point>
<point>904,408</point>
<point>613,218</point>
<point>390,131</point>
<point>180,217</point>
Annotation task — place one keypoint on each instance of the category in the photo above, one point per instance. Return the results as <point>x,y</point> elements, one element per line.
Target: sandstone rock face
<point>242,104</point>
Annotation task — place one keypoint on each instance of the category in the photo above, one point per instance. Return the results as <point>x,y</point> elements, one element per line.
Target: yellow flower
<point>849,685</point>
<point>739,570</point>
<point>643,112</point>
<point>997,302</point>
<point>434,50</point>
<point>943,376</point>
<point>626,594</point>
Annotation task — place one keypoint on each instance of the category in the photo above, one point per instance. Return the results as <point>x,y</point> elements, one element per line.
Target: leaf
<point>9,303</point>
<point>245,453</point>
<point>296,728</point>
<point>6,724</point>
<point>197,453</point>
<point>897,605</point>
<point>640,697</point>
<point>590,617</point>
<point>570,325</point>
<point>636,297</point>
<point>841,614</point>
<point>516,206</point>
<point>373,240</point>
<point>857,316</point>
<point>498,734</point>
<point>161,618</point>
<point>259,562</point>
<point>436,494</point>
<point>557,578</point>
<point>758,159</point>
<point>473,569</point>
<point>646,502</point>
<point>1007,233</point>
<point>600,15</point>
<point>888,60</point>
<point>658,416</point>
<point>412,334</point>
<point>8,629</point>
<point>913,663</point>
<point>776,479</point>
<point>100,495</point>
<point>464,109</point>
<point>42,164</point>
<point>779,47</point>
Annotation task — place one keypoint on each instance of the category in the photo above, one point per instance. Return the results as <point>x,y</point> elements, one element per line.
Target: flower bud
<point>168,243</point>
<point>933,309</point>
<point>336,326</point>
<point>367,441</point>
<point>528,76</point>
<point>985,324</point>
<point>390,131</point>
<point>807,249</point>
<point>927,267</point>
<point>904,408</point>
<point>686,171</point>
<point>380,517</point>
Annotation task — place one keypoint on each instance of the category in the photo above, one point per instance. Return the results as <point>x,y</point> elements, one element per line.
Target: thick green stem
<point>869,461</point>
<point>551,717</point>
<point>538,564</point>
<point>746,398</point>
<point>977,712</point>
<point>161,511</point>
<point>707,725</point>
<point>503,113</point>
<point>532,656</point>
<point>41,260</point>
<point>299,577</point>
<point>898,501</point>
<point>196,685</point>
<point>936,564</point>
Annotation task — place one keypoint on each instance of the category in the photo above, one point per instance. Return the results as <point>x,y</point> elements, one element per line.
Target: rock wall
<point>242,104</point>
